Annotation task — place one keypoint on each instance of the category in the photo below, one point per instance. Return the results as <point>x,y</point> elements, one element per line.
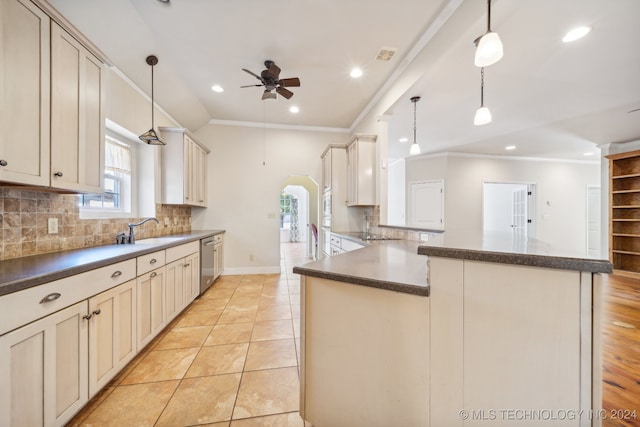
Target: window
<point>116,199</point>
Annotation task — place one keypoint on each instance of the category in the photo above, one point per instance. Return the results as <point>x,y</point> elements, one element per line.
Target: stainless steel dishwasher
<point>207,263</point>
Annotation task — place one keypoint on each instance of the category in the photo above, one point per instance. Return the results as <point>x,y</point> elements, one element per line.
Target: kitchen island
<point>505,332</point>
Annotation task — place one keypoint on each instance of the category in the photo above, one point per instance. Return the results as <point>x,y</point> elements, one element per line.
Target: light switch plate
<point>52,225</point>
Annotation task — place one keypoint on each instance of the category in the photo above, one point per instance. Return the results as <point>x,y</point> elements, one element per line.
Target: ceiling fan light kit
<point>270,79</point>
<point>489,48</point>
<point>150,136</point>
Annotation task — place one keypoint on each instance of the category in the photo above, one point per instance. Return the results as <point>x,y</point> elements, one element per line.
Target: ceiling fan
<point>270,79</point>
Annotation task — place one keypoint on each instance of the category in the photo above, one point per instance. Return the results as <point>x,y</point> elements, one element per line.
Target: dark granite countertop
<point>504,249</point>
<point>22,273</point>
<point>393,265</point>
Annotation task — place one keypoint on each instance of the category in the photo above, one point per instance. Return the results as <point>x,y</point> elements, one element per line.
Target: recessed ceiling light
<point>590,153</point>
<point>510,147</point>
<point>217,88</point>
<point>356,73</point>
<point>403,139</point>
<point>294,109</point>
<point>575,34</point>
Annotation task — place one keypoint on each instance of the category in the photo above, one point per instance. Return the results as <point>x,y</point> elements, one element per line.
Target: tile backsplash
<point>24,219</point>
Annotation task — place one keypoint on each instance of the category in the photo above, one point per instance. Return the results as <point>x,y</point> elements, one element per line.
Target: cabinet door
<point>189,147</point>
<point>218,253</point>
<point>150,315</point>
<point>77,126</point>
<point>24,93</point>
<point>326,171</point>
<point>192,277</point>
<point>352,174</point>
<point>174,289</point>
<point>112,333</point>
<point>43,369</point>
<point>200,176</point>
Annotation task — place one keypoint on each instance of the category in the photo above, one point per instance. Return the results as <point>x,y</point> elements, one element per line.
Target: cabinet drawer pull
<point>154,274</point>
<point>116,273</point>
<point>51,297</point>
<point>58,174</point>
<point>96,312</point>
<point>3,163</point>
<point>153,261</point>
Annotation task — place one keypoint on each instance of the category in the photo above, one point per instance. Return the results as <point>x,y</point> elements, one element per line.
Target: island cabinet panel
<point>365,356</point>
<point>43,370</point>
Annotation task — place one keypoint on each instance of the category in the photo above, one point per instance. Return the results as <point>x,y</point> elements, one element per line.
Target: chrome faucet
<point>131,238</point>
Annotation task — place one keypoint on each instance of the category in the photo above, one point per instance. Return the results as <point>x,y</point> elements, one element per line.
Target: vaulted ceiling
<point>548,98</point>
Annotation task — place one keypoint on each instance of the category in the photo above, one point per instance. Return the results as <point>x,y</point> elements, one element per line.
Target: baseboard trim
<point>251,270</point>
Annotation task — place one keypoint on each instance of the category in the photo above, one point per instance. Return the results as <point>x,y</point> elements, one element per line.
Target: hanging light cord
<point>414,121</point>
<point>264,134</point>
<point>152,123</point>
<point>482,87</point>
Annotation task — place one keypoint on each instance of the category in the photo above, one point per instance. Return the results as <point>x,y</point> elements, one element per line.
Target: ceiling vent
<point>386,53</point>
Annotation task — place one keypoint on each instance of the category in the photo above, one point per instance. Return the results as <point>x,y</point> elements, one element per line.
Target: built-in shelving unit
<point>624,199</point>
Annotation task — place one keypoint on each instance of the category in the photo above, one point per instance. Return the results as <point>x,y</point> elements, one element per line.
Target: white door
<point>593,221</point>
<point>426,204</point>
<point>519,212</point>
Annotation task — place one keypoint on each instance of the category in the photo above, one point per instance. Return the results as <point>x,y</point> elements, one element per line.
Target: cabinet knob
<point>3,163</point>
<point>154,274</point>
<point>87,316</point>
<point>96,312</point>
<point>186,265</point>
<point>58,174</point>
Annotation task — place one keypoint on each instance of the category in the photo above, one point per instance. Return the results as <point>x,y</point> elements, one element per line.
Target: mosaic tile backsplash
<point>24,219</point>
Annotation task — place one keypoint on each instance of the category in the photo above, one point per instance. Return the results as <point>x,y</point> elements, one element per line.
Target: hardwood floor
<point>621,351</point>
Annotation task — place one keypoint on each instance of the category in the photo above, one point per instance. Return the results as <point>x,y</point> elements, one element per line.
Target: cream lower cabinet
<point>112,333</point>
<point>192,276</point>
<point>150,306</point>
<point>44,368</point>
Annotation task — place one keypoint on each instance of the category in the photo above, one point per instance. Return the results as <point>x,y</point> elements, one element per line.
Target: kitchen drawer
<point>150,261</point>
<point>218,238</point>
<point>177,252</point>
<point>22,307</point>
<point>336,241</point>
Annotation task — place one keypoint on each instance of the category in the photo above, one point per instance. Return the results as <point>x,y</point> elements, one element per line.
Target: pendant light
<point>483,115</point>
<point>415,148</point>
<point>488,46</point>
<point>150,136</point>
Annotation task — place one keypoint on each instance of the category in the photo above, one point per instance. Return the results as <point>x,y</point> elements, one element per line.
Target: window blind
<point>117,156</point>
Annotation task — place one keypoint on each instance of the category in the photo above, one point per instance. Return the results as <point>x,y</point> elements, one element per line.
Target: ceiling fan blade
<point>251,86</point>
<point>267,94</point>
<point>274,71</point>
<point>252,73</point>
<point>291,82</point>
<point>284,92</point>
<point>633,111</point>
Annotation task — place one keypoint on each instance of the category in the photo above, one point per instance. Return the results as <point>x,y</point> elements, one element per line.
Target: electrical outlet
<point>424,237</point>
<point>166,221</point>
<point>175,220</point>
<point>52,225</point>
<point>250,257</point>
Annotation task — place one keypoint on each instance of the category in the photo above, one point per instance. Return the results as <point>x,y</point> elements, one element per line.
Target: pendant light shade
<point>483,115</point>
<point>488,46</point>
<point>150,136</point>
<point>415,148</point>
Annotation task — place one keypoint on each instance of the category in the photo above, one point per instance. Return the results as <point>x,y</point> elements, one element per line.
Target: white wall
<point>561,192</point>
<point>497,204</point>
<point>244,195</point>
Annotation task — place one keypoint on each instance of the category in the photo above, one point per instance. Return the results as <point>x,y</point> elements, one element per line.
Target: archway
<point>312,188</point>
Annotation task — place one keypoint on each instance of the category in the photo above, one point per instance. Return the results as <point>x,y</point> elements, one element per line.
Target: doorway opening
<point>298,217</point>
<point>509,207</point>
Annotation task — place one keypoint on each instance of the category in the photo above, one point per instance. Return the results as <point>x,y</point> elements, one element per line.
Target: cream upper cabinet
<point>184,169</point>
<point>361,170</point>
<point>43,369</point>
<point>24,93</point>
<point>77,115</point>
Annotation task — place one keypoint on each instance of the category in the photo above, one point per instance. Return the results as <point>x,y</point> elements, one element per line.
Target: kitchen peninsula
<point>451,331</point>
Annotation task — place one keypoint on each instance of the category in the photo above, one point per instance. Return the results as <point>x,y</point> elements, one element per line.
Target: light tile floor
<point>229,360</point>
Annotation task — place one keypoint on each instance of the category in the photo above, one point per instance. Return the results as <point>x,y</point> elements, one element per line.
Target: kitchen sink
<point>374,237</point>
<point>157,240</point>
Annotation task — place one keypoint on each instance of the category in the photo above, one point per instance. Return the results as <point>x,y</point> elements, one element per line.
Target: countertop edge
<point>364,281</point>
<point>39,279</point>
<point>556,262</point>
